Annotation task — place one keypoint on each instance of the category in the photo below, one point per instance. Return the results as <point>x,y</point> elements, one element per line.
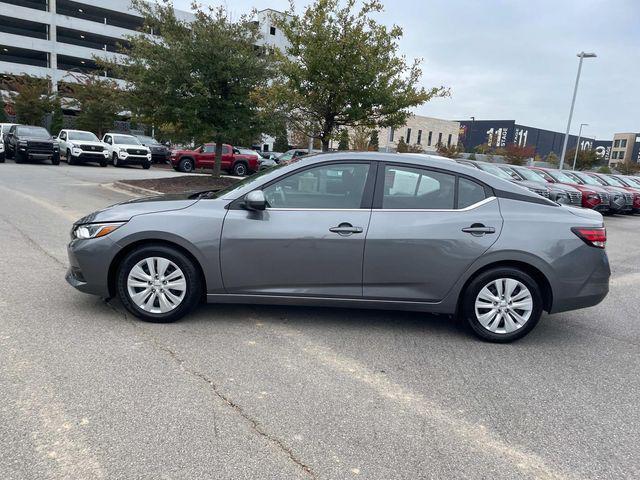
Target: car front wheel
<point>502,304</point>
<point>240,169</point>
<point>158,284</point>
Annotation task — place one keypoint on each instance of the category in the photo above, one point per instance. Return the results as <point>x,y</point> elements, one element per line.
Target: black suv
<point>25,142</point>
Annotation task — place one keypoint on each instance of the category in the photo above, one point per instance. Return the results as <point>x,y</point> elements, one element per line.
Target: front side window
<point>413,188</point>
<point>335,186</point>
<point>226,149</point>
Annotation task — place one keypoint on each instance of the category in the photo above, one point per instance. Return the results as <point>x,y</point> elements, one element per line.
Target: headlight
<point>76,151</point>
<point>95,230</point>
<point>148,156</point>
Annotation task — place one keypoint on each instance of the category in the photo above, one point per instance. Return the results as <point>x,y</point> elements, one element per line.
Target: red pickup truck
<point>233,161</point>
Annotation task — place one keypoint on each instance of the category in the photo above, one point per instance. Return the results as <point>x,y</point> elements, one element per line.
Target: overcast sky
<point>516,59</point>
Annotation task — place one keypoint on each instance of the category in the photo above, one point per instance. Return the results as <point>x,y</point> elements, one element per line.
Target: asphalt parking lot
<point>236,392</point>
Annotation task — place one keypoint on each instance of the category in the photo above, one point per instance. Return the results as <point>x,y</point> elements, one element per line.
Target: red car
<point>592,197</point>
<point>233,161</point>
<point>615,181</point>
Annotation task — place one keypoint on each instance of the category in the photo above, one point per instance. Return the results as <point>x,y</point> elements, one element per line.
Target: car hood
<point>562,186</point>
<point>126,145</point>
<point>87,142</point>
<point>531,184</point>
<point>122,212</point>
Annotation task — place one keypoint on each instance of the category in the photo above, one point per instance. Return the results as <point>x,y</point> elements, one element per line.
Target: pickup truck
<point>25,142</point>
<point>233,161</point>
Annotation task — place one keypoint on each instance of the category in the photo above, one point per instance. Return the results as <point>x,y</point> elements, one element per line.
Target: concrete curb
<point>145,192</point>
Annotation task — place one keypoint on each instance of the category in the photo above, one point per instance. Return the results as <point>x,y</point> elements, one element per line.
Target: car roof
<point>417,160</point>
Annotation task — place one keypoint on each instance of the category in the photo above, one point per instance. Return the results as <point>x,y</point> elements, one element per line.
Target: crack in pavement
<point>32,242</point>
<point>253,423</point>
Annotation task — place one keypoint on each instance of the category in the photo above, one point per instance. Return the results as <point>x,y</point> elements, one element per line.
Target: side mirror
<point>255,200</point>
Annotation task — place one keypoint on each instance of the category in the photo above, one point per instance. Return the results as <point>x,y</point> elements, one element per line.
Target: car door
<point>109,143</point>
<point>427,227</point>
<point>62,142</point>
<point>309,240</point>
<point>206,157</point>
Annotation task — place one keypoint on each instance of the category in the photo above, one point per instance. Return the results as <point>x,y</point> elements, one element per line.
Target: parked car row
<point>605,193</point>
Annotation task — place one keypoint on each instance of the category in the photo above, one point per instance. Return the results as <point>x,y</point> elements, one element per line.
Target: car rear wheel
<point>158,284</point>
<point>502,304</point>
<point>186,165</point>
<point>240,169</point>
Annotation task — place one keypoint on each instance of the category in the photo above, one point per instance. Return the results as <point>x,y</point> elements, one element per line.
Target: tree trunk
<point>325,144</point>
<point>217,165</point>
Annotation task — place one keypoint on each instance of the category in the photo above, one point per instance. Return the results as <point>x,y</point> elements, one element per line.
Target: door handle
<point>478,229</point>
<point>345,229</point>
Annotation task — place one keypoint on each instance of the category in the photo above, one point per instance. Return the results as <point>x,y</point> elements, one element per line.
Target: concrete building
<point>420,131</point>
<point>272,36</point>
<point>55,37</point>
<point>625,147</point>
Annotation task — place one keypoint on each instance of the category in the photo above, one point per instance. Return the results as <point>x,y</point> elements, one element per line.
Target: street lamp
<point>582,56</point>
<point>575,155</point>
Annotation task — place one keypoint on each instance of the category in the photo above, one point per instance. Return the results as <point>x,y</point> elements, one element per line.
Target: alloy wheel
<point>156,285</point>
<point>504,305</point>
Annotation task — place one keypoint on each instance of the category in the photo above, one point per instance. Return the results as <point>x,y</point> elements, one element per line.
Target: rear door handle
<point>478,229</point>
<point>345,229</point>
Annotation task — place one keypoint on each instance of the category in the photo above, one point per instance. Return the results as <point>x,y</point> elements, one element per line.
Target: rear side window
<point>412,188</point>
<point>209,149</point>
<point>469,192</point>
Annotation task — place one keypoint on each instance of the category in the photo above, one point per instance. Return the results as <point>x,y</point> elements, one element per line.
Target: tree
<point>450,151</point>
<point>483,148</point>
<point>281,143</point>
<point>201,76</point>
<point>516,154</point>
<point>402,146</point>
<point>628,167</point>
<point>585,160</point>
<point>342,69</point>
<point>99,101</point>
<point>604,169</point>
<point>57,120</point>
<point>552,159</point>
<point>374,143</point>
<point>360,138</point>
<point>343,140</point>
<point>3,113</point>
<point>32,99</point>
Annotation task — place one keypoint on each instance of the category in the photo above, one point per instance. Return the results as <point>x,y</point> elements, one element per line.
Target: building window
<point>439,139</point>
<point>614,155</point>
<point>616,144</point>
<point>419,140</point>
<point>408,135</point>
<point>449,140</point>
<point>621,156</point>
<point>623,143</point>
<point>429,139</point>
<point>392,133</point>
<point>272,30</point>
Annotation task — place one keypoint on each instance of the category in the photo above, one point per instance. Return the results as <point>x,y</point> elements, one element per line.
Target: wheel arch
<point>533,271</point>
<point>117,260</point>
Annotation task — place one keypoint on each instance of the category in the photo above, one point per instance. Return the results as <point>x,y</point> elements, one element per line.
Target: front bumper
<point>91,157</point>
<point>89,262</point>
<point>133,159</point>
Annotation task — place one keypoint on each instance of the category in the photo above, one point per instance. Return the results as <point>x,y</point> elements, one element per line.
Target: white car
<point>4,129</point>
<point>79,146</point>
<point>126,150</point>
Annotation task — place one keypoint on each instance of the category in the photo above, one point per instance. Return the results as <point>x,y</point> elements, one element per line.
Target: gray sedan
<point>364,230</point>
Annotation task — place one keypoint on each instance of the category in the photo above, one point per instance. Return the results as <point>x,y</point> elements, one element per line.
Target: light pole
<point>575,155</point>
<point>582,56</point>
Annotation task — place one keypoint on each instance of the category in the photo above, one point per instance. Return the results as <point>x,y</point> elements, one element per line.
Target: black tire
<point>114,160</point>
<point>2,158</point>
<point>191,274</point>
<point>70,160</point>
<point>18,157</point>
<point>240,169</point>
<point>146,165</point>
<point>8,153</point>
<point>55,160</point>
<point>478,283</point>
<point>186,165</point>
<point>104,163</point>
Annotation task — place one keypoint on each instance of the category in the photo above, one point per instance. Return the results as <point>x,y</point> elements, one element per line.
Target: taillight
<point>594,237</point>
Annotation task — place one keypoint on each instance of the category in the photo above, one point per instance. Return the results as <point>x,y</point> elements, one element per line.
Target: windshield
<point>530,175</point>
<point>35,132</point>
<point>145,139</point>
<point>493,170</point>
<point>613,181</point>
<point>634,182</point>
<point>83,136</point>
<point>125,140</point>
<point>588,179</point>
<point>561,177</point>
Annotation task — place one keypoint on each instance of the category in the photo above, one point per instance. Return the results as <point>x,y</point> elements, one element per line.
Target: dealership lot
<point>284,392</point>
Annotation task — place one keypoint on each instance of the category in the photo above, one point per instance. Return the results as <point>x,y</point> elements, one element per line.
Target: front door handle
<point>345,229</point>
<point>478,229</point>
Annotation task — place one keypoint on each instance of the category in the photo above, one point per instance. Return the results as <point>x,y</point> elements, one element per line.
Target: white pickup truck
<point>126,150</point>
<point>79,146</point>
